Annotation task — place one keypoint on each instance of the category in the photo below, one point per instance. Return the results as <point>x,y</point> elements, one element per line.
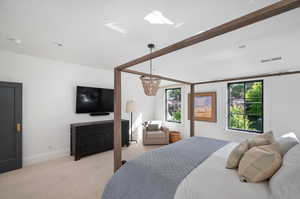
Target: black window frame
<point>229,102</point>
<point>166,105</point>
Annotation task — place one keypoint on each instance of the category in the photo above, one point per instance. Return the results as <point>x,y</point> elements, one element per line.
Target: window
<point>245,106</point>
<point>173,105</point>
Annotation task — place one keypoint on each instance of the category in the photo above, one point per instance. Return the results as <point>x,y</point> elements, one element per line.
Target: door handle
<point>18,127</point>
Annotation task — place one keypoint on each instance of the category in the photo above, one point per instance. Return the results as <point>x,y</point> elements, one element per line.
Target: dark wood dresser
<point>94,137</point>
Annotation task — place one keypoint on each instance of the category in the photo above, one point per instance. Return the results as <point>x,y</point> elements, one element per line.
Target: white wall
<point>281,109</point>
<point>49,103</point>
<point>49,100</point>
<point>132,89</point>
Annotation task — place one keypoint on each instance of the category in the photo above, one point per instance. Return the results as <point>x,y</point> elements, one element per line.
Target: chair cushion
<point>156,134</point>
<point>260,163</point>
<point>236,155</point>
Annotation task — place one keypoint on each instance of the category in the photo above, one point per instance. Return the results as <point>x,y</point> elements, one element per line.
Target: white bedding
<point>211,180</point>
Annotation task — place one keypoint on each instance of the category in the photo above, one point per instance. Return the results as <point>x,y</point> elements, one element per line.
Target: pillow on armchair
<point>153,127</point>
<point>154,124</point>
<point>154,132</point>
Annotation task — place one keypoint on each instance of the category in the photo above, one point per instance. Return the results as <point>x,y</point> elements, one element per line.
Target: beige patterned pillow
<point>263,139</point>
<point>153,127</point>
<point>236,155</point>
<point>260,163</point>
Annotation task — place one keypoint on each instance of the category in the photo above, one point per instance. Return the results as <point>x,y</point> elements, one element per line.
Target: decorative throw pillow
<point>263,139</point>
<point>236,155</point>
<point>260,163</point>
<point>153,127</point>
<point>285,183</point>
<point>287,142</point>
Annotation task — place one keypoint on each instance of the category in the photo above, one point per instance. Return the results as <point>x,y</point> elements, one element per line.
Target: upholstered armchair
<point>154,133</point>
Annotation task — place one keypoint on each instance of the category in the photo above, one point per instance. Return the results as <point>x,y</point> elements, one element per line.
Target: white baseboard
<point>45,157</point>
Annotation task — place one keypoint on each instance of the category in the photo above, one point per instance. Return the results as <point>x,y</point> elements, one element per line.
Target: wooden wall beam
<point>172,85</point>
<point>155,76</point>
<point>192,111</point>
<point>256,16</point>
<point>117,120</point>
<point>249,77</point>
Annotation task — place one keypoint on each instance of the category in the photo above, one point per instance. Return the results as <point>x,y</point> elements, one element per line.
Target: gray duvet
<point>157,174</point>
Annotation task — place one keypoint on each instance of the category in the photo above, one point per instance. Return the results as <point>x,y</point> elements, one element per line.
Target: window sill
<point>242,132</point>
<point>173,122</point>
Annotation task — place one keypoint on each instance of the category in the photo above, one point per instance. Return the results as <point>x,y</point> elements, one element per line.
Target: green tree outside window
<point>173,104</point>
<point>245,106</point>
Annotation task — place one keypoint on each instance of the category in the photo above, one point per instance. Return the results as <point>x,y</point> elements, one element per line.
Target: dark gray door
<point>10,126</point>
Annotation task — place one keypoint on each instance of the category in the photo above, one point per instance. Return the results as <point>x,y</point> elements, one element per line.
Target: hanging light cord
<point>150,63</point>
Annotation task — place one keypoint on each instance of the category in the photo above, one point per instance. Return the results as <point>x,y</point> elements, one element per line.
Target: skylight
<point>116,27</point>
<point>156,17</point>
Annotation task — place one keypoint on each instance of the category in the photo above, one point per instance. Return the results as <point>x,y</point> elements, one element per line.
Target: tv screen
<point>94,100</point>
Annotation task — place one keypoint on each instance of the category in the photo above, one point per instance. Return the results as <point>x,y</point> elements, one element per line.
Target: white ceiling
<point>80,26</point>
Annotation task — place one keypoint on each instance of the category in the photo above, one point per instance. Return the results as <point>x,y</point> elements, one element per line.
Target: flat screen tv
<point>94,100</point>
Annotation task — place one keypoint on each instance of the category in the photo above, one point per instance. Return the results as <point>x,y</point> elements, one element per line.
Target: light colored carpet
<point>64,178</point>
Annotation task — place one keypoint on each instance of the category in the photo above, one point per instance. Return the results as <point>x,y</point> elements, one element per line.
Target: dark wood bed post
<point>192,112</point>
<point>117,120</point>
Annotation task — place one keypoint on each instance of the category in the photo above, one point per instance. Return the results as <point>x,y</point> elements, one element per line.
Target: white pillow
<point>158,122</point>
<point>286,142</point>
<point>285,184</point>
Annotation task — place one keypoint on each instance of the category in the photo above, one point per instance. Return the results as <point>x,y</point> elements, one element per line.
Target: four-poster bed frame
<point>256,16</point>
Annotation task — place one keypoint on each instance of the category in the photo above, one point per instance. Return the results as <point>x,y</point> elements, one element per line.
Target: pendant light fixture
<point>150,83</point>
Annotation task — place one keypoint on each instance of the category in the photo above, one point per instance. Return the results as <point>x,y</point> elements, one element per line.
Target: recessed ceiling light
<point>58,44</point>
<point>14,40</point>
<point>116,27</point>
<point>156,17</point>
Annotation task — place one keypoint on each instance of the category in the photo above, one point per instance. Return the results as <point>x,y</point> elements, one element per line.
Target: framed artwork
<point>205,107</point>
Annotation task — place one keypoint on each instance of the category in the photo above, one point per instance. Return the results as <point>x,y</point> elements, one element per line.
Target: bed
<point>193,168</point>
